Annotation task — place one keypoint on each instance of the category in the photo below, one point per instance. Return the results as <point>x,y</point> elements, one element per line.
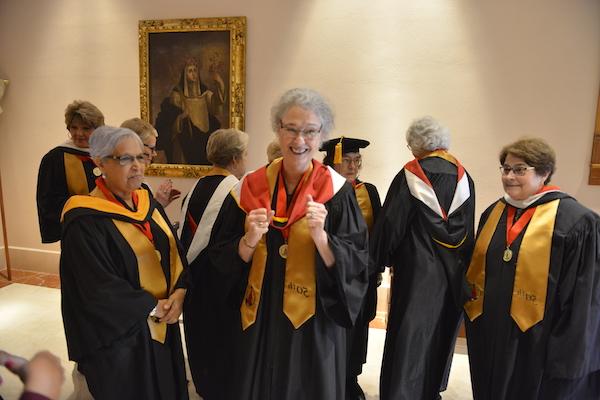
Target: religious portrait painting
<point>192,83</point>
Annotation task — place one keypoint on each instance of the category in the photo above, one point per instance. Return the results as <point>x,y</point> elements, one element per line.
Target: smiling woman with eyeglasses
<point>533,317</point>
<point>291,237</point>
<point>67,169</point>
<point>122,280</point>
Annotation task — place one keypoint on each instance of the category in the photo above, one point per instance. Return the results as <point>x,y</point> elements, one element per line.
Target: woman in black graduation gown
<point>425,232</point>
<point>165,194</point>
<point>67,169</point>
<point>343,154</point>
<point>294,245</point>
<point>534,316</point>
<point>122,280</point>
<point>207,320</point>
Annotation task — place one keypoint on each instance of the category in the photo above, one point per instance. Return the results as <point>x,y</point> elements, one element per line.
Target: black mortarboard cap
<point>345,145</point>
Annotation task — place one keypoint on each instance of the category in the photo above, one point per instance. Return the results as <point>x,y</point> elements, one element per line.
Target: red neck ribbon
<point>257,193</point>
<point>143,227</point>
<point>514,229</point>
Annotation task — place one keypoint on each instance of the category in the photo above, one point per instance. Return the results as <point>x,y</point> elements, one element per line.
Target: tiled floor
<point>31,320</point>
<point>29,278</point>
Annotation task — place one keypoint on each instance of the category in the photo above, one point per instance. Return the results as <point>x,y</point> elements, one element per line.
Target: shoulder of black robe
<point>390,227</point>
<point>199,199</point>
<point>51,194</point>
<point>574,345</point>
<point>102,301</point>
<point>52,191</point>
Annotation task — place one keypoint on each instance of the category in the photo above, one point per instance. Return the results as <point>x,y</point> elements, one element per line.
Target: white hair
<point>105,138</point>
<point>426,134</point>
<point>305,98</point>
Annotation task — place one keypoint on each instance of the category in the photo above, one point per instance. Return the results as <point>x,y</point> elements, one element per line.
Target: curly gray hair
<point>305,98</point>
<point>426,134</point>
<point>105,138</point>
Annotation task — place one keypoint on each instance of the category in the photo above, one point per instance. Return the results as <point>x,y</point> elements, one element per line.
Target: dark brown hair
<point>535,152</point>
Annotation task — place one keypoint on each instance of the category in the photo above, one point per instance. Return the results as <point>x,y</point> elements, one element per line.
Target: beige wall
<point>490,70</point>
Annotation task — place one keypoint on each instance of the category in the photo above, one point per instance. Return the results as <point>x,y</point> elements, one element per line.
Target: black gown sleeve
<point>390,226</point>
<point>342,287</point>
<point>102,300</point>
<point>52,194</point>
<point>574,343</point>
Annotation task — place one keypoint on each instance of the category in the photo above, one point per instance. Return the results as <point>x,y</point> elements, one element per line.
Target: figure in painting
<point>189,115</point>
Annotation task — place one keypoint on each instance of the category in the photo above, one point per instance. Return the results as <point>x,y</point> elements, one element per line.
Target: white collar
<point>528,201</point>
<point>69,143</point>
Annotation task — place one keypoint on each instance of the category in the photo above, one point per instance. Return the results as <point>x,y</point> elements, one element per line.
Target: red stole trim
<point>414,167</point>
<point>258,187</point>
<point>143,227</point>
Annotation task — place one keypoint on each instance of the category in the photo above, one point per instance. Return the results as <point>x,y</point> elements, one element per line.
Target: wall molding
<point>32,259</point>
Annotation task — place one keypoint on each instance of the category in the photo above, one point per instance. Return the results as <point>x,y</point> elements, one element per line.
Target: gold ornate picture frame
<point>192,82</point>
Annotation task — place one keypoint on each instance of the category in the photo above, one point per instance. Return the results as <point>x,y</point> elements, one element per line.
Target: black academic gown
<point>272,360</point>
<point>52,191</point>
<point>208,320</point>
<point>428,286</point>
<point>105,311</point>
<point>358,335</point>
<point>559,357</point>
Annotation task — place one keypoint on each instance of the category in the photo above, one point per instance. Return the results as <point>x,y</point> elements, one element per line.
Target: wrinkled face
<point>521,187</point>
<point>150,149</point>
<point>124,172</point>
<point>80,132</point>
<point>299,137</point>
<point>191,72</point>
<point>350,166</point>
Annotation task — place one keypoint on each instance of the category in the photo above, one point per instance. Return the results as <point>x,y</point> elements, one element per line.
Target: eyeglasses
<point>128,160</point>
<point>150,154</point>
<point>347,161</point>
<point>292,132</point>
<point>518,170</point>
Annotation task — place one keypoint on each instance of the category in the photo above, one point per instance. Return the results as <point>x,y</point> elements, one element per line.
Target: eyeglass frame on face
<point>293,132</point>
<point>127,159</point>
<point>517,170</point>
<point>152,152</point>
<point>348,161</point>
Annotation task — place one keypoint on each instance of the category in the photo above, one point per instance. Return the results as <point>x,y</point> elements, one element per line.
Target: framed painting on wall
<point>192,82</point>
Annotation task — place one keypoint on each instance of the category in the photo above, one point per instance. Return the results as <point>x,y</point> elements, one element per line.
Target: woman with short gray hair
<point>306,99</point>
<point>67,169</point>
<point>122,280</point>
<point>425,135</point>
<point>227,149</point>
<point>425,233</point>
<point>291,233</point>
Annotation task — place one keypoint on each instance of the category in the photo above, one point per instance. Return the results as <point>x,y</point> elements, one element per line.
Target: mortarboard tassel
<point>337,155</point>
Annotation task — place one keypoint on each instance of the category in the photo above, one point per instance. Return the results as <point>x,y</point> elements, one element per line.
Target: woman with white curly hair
<point>292,244</point>
<point>425,234</point>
